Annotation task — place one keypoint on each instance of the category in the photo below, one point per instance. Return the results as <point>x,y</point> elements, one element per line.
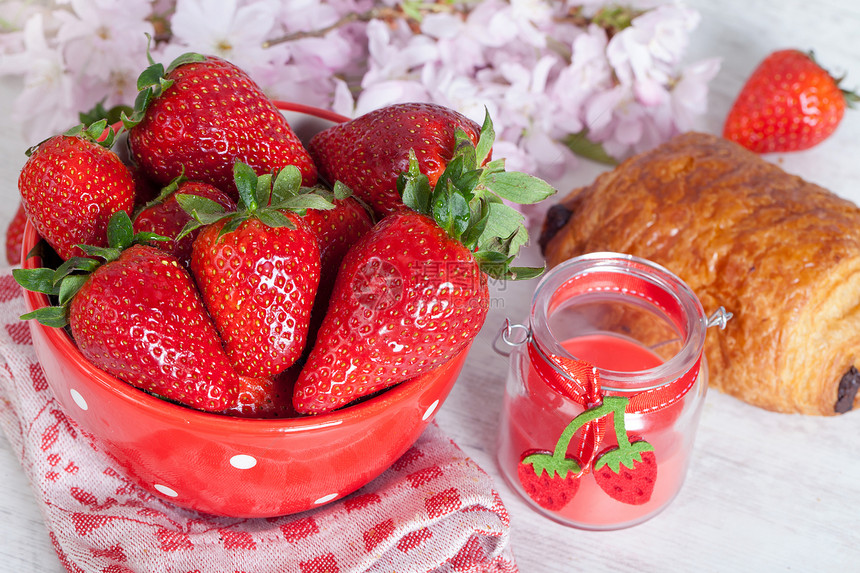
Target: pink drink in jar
<point>604,392</point>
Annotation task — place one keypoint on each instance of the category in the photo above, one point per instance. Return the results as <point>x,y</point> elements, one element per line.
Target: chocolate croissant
<point>780,253</point>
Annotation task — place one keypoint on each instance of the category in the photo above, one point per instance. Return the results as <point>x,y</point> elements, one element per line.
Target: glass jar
<point>605,391</point>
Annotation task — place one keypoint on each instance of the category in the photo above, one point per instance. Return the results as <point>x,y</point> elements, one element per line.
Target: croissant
<point>780,253</point>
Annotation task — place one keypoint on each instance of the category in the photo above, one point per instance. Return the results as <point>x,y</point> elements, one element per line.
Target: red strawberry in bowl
<point>139,317</point>
<point>412,292</point>
<point>258,268</point>
<point>201,115</point>
<point>368,153</point>
<point>72,184</point>
<point>165,216</point>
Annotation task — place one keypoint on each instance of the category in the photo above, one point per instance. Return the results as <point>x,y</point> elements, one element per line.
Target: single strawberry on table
<point>258,268</point>
<point>201,115</point>
<point>138,316</point>
<point>165,216</point>
<point>72,184</point>
<point>789,103</point>
<point>368,153</point>
<point>412,292</point>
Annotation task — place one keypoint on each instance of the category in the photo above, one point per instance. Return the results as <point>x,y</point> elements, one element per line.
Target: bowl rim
<point>60,340</point>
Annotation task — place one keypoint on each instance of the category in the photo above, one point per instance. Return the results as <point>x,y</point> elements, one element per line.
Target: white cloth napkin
<point>433,510</point>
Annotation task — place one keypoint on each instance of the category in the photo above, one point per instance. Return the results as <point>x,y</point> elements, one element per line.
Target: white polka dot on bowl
<point>79,400</point>
<point>243,461</point>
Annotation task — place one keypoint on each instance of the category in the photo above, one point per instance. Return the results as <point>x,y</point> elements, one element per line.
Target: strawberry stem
<point>470,202</point>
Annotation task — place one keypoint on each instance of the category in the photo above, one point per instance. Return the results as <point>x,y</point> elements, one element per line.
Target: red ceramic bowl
<point>232,466</point>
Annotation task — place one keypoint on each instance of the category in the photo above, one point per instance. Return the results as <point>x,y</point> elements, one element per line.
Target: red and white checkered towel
<point>433,510</point>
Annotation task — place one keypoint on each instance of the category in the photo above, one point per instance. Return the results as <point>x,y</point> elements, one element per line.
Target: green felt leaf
<point>546,463</point>
<point>626,456</point>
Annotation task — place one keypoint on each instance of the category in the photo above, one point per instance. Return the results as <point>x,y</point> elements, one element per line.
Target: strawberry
<point>15,235</point>
<point>200,116</point>
<point>789,103</point>
<point>337,229</point>
<point>412,292</point>
<point>551,485</point>
<point>266,397</point>
<point>258,269</point>
<point>369,152</point>
<point>166,217</point>
<point>71,185</point>
<point>627,473</point>
<point>139,317</point>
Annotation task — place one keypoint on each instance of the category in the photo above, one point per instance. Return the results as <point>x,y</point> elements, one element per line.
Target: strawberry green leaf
<point>307,201</point>
<point>263,193</point>
<point>275,219</point>
<point>75,264</point>
<point>516,187</point>
<point>503,222</point>
<point>414,187</point>
<point>286,184</point>
<point>580,145</point>
<point>525,273</point>
<point>204,210</point>
<point>150,77</point>
<point>70,286</point>
<point>186,58</point>
<point>341,191</point>
<point>451,210</point>
<point>55,316</point>
<point>486,139</point>
<point>246,184</point>
<point>120,230</point>
<point>36,280</point>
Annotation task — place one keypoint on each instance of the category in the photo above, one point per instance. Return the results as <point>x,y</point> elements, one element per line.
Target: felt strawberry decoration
<point>368,153</point>
<point>412,292</point>
<point>552,485</point>
<point>789,103</point>
<point>72,184</point>
<point>258,268</point>
<point>139,317</point>
<point>627,473</point>
<point>201,115</point>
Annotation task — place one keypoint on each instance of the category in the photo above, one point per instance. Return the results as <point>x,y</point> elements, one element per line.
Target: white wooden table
<point>766,491</point>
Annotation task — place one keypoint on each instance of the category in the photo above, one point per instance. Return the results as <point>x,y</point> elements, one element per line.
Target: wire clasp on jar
<point>512,335</point>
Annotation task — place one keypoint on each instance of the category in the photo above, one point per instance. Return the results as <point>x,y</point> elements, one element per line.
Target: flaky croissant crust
<point>780,253</point>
